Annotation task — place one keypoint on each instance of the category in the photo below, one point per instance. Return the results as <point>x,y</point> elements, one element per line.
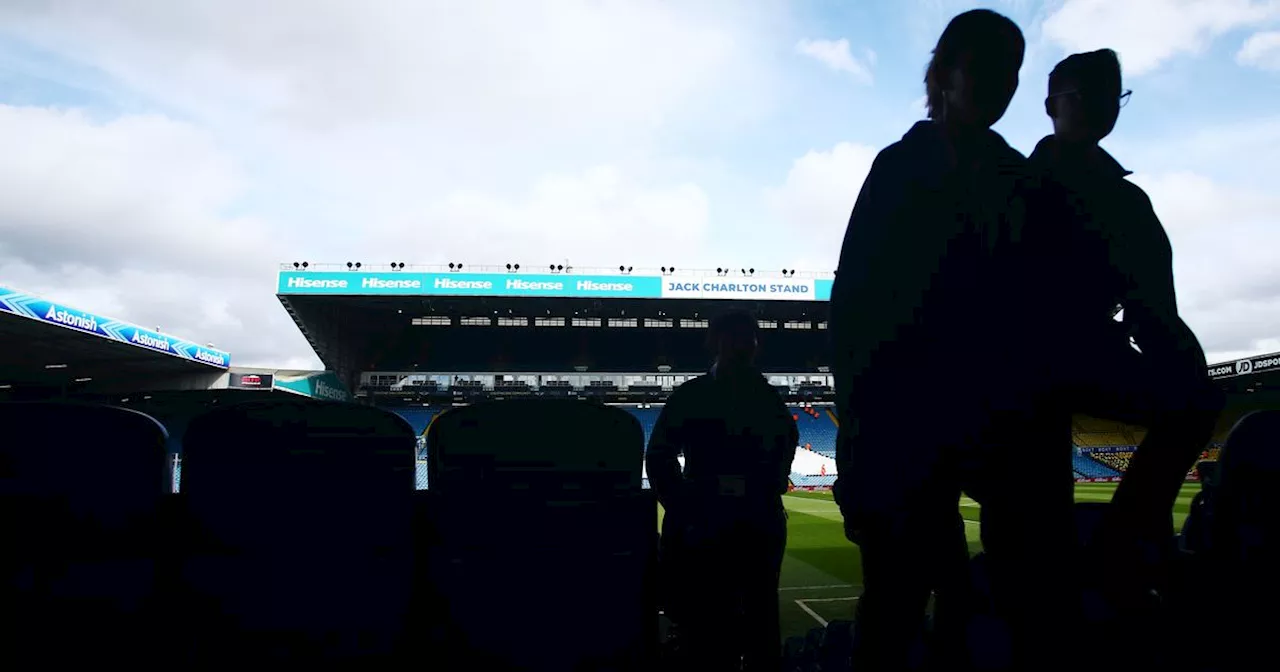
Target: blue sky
<point>164,157</point>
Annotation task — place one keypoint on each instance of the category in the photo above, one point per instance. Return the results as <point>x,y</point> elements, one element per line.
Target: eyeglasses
<point>1124,95</point>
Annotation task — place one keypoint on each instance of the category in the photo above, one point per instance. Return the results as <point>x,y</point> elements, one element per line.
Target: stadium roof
<point>1256,365</point>
<point>351,312</point>
<point>1257,376</point>
<point>352,317</point>
<point>50,343</point>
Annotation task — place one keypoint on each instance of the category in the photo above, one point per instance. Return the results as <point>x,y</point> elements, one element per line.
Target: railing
<point>175,472</point>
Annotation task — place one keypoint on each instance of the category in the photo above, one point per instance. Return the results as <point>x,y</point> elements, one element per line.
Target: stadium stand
<point>1089,468</point>
<point>816,429</point>
<point>1116,460</point>
<point>811,481</point>
<point>811,469</point>
<point>1087,431</point>
<point>418,418</point>
<point>647,417</point>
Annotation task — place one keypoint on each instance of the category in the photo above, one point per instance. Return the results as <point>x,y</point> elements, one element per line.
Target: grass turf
<point>822,575</point>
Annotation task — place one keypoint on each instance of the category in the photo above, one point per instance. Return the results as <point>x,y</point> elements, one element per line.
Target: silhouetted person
<point>1100,230</point>
<point>738,439</point>
<point>917,315</point>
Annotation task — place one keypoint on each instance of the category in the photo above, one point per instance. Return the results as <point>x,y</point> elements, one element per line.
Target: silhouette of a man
<point>738,439</point>
<point>1095,244</point>
<point>1122,257</point>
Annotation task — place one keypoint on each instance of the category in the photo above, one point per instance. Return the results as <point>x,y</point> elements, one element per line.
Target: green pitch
<point>821,574</point>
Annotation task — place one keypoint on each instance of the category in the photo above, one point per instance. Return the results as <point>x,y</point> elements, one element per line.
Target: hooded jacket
<point>926,279</point>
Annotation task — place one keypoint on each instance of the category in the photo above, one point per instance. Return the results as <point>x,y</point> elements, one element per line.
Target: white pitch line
<point>821,621</point>
<point>835,585</point>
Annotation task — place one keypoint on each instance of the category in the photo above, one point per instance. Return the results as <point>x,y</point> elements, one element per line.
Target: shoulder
<point>1142,215</point>
<point>891,154</point>
<point>1004,153</point>
<point>688,390</point>
<point>1136,196</point>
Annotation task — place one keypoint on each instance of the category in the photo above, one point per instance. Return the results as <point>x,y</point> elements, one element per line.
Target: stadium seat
<point>648,417</point>
<point>1229,588</point>
<point>1091,468</point>
<point>815,481</point>
<point>538,519</point>
<point>304,509</point>
<point>81,491</point>
<point>819,433</point>
<point>419,418</point>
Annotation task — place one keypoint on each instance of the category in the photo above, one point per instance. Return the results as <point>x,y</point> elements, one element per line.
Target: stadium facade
<point>420,339</point>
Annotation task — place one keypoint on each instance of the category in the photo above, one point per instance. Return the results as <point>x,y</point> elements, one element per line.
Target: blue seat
<point>648,417</point>
<point>813,481</point>
<point>819,433</point>
<point>1090,468</point>
<point>419,418</point>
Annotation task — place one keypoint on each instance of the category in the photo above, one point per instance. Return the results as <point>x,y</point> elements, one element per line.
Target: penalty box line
<point>804,604</point>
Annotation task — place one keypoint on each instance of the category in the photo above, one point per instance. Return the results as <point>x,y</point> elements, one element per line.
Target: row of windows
<point>649,322</point>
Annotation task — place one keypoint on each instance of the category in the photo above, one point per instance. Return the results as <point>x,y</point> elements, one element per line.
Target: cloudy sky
<point>160,159</point>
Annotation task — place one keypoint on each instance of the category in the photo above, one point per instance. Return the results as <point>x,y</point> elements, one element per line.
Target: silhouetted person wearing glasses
<point>919,327</point>
<point>738,440</point>
<point>1109,242</point>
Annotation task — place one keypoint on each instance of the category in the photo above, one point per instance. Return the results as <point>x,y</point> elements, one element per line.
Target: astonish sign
<point>49,312</point>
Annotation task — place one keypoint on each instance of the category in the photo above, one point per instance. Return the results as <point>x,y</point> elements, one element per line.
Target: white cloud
<point>127,219</point>
<point>1146,33</point>
<point>814,202</point>
<point>1261,50</point>
<point>598,217</point>
<point>324,130</point>
<point>1224,240</point>
<point>835,54</point>
<point>140,191</point>
<point>450,72</point>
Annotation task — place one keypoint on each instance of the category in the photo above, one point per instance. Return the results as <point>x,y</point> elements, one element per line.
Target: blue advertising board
<point>355,283</point>
<point>49,312</point>
<point>337,283</point>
